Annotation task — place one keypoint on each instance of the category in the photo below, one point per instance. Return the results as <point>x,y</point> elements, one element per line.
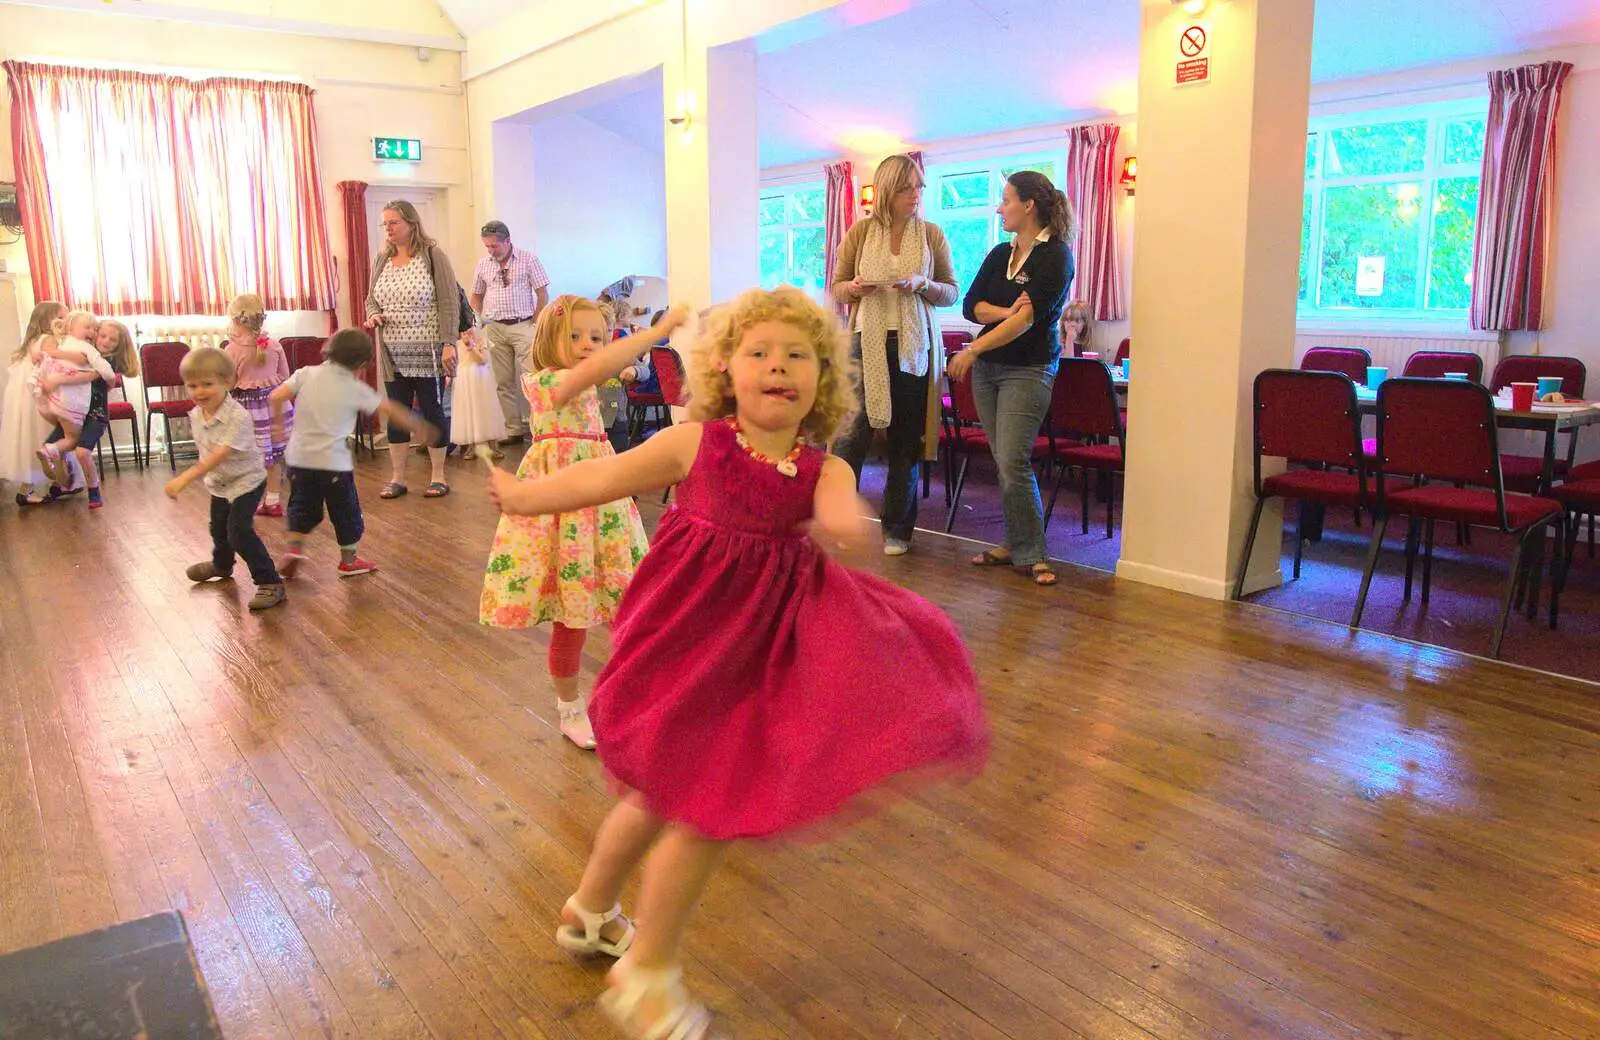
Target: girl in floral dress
<point>568,569</point>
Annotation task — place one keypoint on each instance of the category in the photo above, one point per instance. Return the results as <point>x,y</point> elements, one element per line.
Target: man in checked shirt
<point>509,289</point>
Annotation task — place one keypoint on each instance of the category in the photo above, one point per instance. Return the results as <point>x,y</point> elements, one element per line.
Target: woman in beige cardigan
<point>413,308</point>
<point>893,269</point>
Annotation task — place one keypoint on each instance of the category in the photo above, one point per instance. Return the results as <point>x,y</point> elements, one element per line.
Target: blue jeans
<point>1013,401</point>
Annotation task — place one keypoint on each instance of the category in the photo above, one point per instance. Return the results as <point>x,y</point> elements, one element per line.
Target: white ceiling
<point>872,76</point>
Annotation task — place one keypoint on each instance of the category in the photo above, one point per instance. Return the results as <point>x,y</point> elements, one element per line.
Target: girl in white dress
<point>475,416</point>
<point>22,428</point>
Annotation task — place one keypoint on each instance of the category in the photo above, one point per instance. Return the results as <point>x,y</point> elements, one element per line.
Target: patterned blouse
<point>405,293</point>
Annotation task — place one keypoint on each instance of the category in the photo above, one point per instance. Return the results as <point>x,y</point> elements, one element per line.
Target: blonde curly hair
<point>711,388</point>
<point>249,311</point>
<point>554,328</point>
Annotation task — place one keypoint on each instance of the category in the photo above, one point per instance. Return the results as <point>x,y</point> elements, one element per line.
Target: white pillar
<point>1216,256</point>
<point>712,172</point>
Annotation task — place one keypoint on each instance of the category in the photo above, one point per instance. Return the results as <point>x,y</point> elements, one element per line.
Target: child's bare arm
<point>659,462</point>
<point>612,358</point>
<point>838,514</point>
<point>405,418</point>
<point>208,462</point>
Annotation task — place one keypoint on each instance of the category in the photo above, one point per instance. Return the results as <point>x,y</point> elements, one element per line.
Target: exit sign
<point>397,149</point>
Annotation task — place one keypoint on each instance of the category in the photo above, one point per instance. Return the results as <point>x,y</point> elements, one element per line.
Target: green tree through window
<point>1395,196</point>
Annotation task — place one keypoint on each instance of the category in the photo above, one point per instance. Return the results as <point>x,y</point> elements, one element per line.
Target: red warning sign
<point>1194,56</point>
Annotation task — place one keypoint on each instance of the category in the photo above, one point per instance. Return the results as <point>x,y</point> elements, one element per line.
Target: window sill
<point>1372,324</point>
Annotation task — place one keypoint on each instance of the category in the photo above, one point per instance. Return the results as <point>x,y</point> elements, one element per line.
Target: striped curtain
<point>1511,247</point>
<point>1091,185</point>
<point>839,215</point>
<point>153,194</point>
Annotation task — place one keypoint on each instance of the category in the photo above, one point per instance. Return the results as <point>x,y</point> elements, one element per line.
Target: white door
<point>430,210</point>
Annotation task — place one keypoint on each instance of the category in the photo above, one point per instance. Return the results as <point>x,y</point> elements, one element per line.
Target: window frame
<point>994,163</point>
<point>786,191</point>
<point>1435,170</point>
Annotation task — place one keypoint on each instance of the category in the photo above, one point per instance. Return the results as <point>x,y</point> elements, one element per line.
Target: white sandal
<point>683,1019</point>
<point>589,941</point>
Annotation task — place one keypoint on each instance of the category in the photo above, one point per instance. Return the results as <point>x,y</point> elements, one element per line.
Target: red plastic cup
<point>1522,396</point>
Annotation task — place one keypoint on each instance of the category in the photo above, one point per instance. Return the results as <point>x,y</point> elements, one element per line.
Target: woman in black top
<point>1017,296</point>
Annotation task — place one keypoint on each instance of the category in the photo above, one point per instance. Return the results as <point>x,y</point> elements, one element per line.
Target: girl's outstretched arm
<point>663,460</point>
<point>612,358</point>
<point>838,518</point>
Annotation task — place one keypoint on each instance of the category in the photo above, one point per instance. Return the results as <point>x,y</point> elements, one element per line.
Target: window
<point>792,242</point>
<point>1390,211</point>
<point>961,198</point>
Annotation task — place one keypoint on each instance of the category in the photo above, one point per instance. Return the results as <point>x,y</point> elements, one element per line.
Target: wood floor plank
<point>1201,821</point>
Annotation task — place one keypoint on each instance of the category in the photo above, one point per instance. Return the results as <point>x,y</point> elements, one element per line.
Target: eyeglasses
<point>393,223</point>
<point>505,277</point>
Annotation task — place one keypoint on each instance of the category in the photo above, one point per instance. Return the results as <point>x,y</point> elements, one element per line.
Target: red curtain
<point>149,194</point>
<point>839,215</point>
<point>358,250</point>
<point>1091,185</point>
<point>1510,250</point>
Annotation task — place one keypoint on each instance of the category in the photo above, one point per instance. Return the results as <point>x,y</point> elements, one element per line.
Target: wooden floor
<point>1201,820</point>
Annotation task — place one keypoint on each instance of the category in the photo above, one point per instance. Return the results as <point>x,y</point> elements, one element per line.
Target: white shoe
<point>575,722</point>
<point>896,547</point>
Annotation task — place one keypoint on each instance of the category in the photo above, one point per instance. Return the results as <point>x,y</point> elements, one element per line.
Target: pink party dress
<point>756,685</point>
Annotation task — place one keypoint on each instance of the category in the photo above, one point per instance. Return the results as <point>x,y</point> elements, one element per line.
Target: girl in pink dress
<point>262,367</point>
<point>755,686</point>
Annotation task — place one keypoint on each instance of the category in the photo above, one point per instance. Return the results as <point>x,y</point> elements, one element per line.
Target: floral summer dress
<point>569,567</point>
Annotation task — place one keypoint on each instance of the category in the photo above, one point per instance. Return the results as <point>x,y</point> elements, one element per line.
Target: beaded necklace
<point>786,465</point>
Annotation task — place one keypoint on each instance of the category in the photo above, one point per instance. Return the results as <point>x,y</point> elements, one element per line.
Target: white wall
<point>363,90</point>
<point>599,204</point>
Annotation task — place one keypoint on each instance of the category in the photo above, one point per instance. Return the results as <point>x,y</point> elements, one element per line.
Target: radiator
<point>1391,349</point>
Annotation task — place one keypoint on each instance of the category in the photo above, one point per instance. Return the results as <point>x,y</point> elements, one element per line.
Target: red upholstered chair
<point>1581,495</point>
<point>1524,472</point>
<point>1440,432</point>
<point>1433,364</point>
<point>303,351</point>
<point>674,386</point>
<point>120,411</point>
<point>1088,412</point>
<point>963,437</point>
<point>1310,418</point>
<point>1349,361</point>
<point>954,340</point>
<point>1124,351</point>
<point>158,364</point>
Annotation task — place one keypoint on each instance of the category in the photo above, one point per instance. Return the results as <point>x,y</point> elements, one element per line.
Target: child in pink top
<point>261,365</point>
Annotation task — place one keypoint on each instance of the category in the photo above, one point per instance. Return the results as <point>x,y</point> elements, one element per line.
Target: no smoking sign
<point>1194,56</point>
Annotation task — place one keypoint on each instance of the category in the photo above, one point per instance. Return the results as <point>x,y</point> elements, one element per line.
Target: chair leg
<point>1591,536</point>
<point>1559,563</point>
<point>1380,523</point>
<point>111,438</point>
<point>1413,539</point>
<point>1536,573</point>
<point>1249,547</point>
<point>147,418</point>
<point>1505,599</point>
<point>1085,502</point>
<point>1050,506</point>
<point>1299,536</point>
<point>955,494</point>
<point>927,478</point>
<point>172,456</point>
<point>1427,564</point>
<point>1111,501</point>
<point>138,457</point>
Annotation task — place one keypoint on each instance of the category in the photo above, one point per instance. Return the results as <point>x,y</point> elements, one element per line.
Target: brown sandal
<point>991,558</point>
<point>1042,574</point>
<point>393,489</point>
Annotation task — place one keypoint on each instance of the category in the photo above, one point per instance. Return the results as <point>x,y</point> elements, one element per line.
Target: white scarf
<point>876,264</point>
